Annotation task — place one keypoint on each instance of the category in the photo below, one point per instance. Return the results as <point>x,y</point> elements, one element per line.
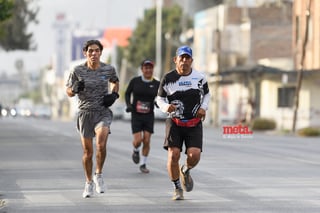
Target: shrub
<point>309,132</point>
<point>263,124</point>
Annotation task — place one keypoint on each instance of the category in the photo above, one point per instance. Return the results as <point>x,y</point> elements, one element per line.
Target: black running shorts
<point>142,122</point>
<point>176,136</point>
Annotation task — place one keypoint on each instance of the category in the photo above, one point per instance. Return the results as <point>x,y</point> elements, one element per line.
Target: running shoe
<point>88,190</point>
<point>186,180</point>
<point>178,194</point>
<point>143,169</point>
<point>2,203</point>
<point>98,180</point>
<point>136,157</point>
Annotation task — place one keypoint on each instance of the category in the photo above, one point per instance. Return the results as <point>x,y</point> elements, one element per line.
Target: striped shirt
<point>96,85</point>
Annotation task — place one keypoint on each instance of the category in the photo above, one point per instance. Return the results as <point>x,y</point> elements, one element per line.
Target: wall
<point>284,115</point>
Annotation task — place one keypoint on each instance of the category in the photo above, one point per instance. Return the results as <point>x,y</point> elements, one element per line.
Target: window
<point>286,96</point>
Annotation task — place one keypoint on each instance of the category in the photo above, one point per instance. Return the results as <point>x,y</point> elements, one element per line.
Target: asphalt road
<point>41,171</point>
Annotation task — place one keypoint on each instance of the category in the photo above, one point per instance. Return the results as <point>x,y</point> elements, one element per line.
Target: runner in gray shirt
<point>90,81</point>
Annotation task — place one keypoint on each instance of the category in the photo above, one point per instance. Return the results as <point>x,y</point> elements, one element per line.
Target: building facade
<point>306,28</point>
<point>243,50</point>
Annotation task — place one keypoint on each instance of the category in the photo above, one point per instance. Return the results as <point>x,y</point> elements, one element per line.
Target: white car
<point>117,110</point>
<point>158,114</point>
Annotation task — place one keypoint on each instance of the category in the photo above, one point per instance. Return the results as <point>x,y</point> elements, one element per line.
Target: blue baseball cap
<point>184,50</point>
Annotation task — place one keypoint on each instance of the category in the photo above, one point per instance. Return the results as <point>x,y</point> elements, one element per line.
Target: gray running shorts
<point>89,121</point>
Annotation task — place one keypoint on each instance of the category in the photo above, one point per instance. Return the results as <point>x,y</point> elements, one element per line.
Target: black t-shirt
<point>143,94</point>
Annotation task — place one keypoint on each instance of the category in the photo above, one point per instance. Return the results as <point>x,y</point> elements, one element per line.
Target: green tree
<point>16,15</point>
<point>6,7</point>
<point>142,43</point>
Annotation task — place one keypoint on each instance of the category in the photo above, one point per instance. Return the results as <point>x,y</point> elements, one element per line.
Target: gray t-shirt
<point>96,85</point>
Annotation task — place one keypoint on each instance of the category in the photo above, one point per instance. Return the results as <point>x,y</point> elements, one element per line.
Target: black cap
<point>147,61</point>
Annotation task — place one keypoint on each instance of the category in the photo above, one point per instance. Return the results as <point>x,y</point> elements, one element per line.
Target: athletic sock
<point>176,184</point>
<point>143,160</point>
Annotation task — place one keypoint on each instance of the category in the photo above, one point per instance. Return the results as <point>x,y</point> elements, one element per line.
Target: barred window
<point>286,96</point>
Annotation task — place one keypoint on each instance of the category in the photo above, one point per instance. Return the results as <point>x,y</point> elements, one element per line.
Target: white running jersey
<point>188,93</point>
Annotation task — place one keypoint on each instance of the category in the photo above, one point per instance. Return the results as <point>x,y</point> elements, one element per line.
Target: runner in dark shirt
<point>140,96</point>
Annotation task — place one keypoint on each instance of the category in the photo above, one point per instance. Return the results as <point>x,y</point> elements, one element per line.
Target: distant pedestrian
<point>90,81</point>
<point>183,93</point>
<point>140,98</point>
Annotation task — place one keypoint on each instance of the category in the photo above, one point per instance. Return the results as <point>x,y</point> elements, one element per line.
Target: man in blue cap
<point>184,94</point>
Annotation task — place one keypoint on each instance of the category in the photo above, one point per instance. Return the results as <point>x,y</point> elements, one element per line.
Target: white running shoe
<point>178,194</point>
<point>98,180</point>
<point>88,190</point>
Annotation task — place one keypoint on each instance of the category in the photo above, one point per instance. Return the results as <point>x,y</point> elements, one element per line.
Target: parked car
<point>117,110</point>
<point>42,111</point>
<point>158,114</point>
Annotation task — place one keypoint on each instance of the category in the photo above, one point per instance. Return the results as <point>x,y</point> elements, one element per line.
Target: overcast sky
<point>89,14</point>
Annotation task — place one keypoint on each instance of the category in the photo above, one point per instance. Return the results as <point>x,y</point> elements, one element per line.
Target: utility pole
<point>217,84</point>
<point>300,71</point>
<point>158,68</point>
<point>218,31</point>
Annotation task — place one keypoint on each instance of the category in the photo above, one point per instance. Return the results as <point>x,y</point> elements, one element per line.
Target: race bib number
<point>143,107</point>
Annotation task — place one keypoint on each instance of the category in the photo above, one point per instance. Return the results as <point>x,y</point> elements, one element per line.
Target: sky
<point>87,14</point>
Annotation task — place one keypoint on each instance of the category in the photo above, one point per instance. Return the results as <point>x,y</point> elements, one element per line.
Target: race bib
<point>143,107</point>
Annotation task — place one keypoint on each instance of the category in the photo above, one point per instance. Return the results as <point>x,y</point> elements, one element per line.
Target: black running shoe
<point>143,169</point>
<point>136,157</point>
<point>186,180</point>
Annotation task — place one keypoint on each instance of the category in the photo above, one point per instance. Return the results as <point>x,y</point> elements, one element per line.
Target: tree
<point>15,18</point>
<point>142,43</point>
<point>6,7</point>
